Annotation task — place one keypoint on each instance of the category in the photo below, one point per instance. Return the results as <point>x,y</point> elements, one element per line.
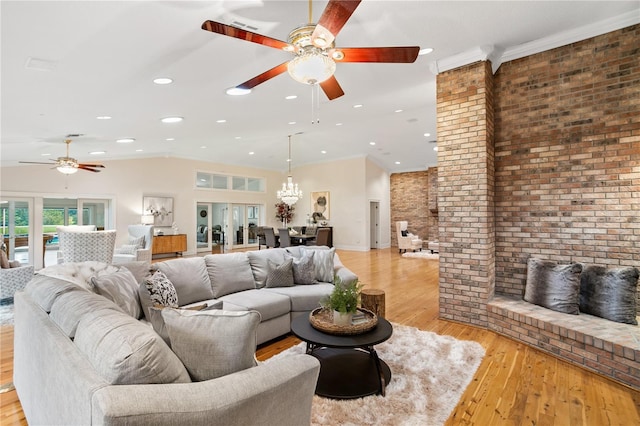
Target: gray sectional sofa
<point>83,358</point>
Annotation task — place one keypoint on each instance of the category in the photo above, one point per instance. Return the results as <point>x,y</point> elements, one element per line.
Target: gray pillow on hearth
<point>609,293</point>
<point>553,286</point>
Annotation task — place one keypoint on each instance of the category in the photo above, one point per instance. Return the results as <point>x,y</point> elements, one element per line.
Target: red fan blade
<point>228,30</point>
<point>35,162</point>
<point>84,167</point>
<point>335,15</point>
<point>405,54</point>
<point>91,165</point>
<point>331,88</point>
<point>267,75</point>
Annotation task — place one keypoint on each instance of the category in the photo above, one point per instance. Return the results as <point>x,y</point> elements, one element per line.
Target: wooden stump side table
<point>373,300</point>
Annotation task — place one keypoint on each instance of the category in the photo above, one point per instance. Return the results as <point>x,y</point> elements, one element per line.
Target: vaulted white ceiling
<point>64,63</point>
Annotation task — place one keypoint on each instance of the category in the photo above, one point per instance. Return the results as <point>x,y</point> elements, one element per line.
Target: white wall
<point>126,182</point>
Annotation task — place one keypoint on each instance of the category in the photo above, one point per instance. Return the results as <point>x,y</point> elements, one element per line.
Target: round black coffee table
<point>349,365</point>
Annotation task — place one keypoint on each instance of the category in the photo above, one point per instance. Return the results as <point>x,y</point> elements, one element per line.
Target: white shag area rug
<point>421,254</point>
<point>429,373</point>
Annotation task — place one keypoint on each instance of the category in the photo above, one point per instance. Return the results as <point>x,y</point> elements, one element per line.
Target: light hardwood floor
<point>515,384</point>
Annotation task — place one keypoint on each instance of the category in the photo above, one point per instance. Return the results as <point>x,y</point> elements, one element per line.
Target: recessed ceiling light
<point>338,124</point>
<point>426,135</point>
<point>251,152</point>
<point>139,150</point>
<point>425,51</point>
<point>236,91</point>
<point>97,152</point>
<point>162,80</point>
<point>398,110</point>
<point>125,140</point>
<point>290,97</point>
<point>372,143</point>
<point>104,117</point>
<point>357,106</point>
<point>203,147</point>
<point>397,162</point>
<point>172,119</point>
<point>221,121</point>
<point>170,139</point>
<point>323,152</point>
<point>238,137</point>
<point>45,155</point>
<point>435,148</point>
<point>292,122</point>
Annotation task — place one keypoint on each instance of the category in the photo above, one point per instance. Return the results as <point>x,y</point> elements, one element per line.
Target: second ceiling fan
<point>313,47</point>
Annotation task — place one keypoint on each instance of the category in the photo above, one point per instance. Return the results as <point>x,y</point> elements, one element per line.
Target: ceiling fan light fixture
<point>67,168</point>
<point>311,66</point>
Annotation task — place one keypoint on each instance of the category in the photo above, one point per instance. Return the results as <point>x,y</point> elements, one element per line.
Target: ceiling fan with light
<point>313,46</point>
<point>68,165</point>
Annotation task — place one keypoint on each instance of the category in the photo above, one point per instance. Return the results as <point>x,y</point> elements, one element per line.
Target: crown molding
<point>497,55</point>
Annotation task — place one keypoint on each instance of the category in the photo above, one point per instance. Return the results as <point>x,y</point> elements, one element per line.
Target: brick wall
<point>410,193</point>
<point>466,192</point>
<point>567,156</point>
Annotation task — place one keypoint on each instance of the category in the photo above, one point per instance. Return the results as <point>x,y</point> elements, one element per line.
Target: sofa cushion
<point>303,297</point>
<point>45,290</point>
<point>139,269</point>
<point>229,273</point>
<point>553,286</point>
<point>609,293</point>
<point>213,343</point>
<point>122,289</point>
<point>280,275</point>
<point>189,277</point>
<point>304,270</point>
<point>260,267</point>
<point>161,290</point>
<point>70,307</point>
<point>125,351</point>
<point>269,304</point>
<point>323,261</point>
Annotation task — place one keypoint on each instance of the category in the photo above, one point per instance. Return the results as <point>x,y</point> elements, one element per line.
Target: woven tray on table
<point>322,320</point>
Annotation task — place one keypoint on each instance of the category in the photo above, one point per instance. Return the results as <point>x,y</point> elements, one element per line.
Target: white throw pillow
<point>122,289</point>
<point>323,260</point>
<point>212,344</point>
<point>161,290</point>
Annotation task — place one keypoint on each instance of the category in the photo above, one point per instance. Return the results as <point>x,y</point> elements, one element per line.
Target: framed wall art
<point>320,204</point>
<point>161,208</point>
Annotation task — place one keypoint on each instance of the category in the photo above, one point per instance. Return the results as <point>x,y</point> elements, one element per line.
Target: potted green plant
<point>343,301</point>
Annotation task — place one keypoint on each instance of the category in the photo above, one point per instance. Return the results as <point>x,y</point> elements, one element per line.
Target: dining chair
<point>285,238</point>
<point>322,237</point>
<point>270,238</point>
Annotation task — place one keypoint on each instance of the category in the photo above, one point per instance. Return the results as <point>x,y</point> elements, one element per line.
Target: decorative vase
<point>342,319</point>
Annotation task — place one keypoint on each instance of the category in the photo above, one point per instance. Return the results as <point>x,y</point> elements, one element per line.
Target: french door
<point>225,226</point>
<point>17,228</point>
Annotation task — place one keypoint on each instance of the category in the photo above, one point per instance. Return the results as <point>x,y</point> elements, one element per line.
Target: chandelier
<point>312,64</point>
<point>289,194</point>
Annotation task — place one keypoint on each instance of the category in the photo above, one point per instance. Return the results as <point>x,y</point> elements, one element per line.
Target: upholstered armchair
<point>138,247</point>
<point>202,234</point>
<point>407,240</point>
<point>85,246</point>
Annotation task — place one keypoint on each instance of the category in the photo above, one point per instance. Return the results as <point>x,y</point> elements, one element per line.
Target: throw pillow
<point>304,270</point>
<point>127,249</point>
<point>609,293</point>
<point>215,343</point>
<point>136,241</point>
<point>161,290</point>
<point>553,286</point>
<point>157,322</point>
<point>122,289</point>
<point>323,261</point>
<point>125,351</point>
<point>404,233</point>
<point>4,260</point>
<point>230,273</point>
<point>280,275</point>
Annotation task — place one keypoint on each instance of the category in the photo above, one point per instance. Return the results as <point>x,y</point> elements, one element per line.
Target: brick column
<point>466,192</point>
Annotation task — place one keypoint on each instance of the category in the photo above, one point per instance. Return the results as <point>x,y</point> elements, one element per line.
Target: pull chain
<point>315,104</point>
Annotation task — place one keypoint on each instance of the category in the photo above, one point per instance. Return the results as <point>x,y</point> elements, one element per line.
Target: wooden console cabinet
<point>169,244</point>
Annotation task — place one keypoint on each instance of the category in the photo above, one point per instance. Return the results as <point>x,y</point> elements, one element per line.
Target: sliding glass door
<point>17,229</point>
